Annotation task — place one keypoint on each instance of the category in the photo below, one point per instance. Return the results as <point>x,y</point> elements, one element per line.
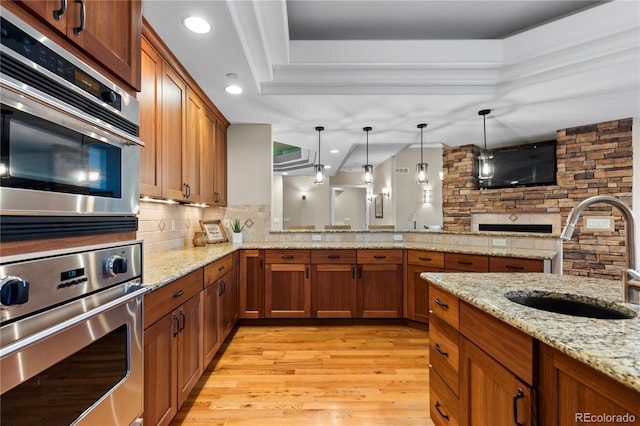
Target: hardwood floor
<point>315,375</point>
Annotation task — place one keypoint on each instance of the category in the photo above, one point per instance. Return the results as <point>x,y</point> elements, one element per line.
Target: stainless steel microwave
<point>69,136</point>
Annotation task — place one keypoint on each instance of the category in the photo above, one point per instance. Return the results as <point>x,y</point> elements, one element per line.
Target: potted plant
<point>237,231</point>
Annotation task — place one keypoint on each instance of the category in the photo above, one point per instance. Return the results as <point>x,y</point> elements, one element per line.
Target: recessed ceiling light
<point>334,151</point>
<point>327,166</point>
<point>197,24</point>
<point>233,89</point>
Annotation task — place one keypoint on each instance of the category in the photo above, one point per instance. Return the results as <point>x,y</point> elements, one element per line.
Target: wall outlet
<point>397,237</point>
<point>599,223</point>
<point>276,220</point>
<point>499,242</point>
<point>316,237</point>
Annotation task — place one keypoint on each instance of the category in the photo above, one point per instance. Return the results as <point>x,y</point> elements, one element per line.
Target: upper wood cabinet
<point>107,30</point>
<point>185,153</point>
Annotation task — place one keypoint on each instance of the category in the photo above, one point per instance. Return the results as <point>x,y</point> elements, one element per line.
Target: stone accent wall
<point>596,159</point>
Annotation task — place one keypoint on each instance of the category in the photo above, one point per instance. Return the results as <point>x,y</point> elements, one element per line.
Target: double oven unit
<point>70,319</point>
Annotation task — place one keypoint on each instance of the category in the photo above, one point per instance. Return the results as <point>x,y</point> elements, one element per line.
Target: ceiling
<point>538,65</point>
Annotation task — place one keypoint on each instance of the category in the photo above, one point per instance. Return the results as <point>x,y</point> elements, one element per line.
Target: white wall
<point>249,164</point>
<point>313,210</point>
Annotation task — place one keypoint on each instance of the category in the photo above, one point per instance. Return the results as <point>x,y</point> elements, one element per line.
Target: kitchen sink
<point>570,304</point>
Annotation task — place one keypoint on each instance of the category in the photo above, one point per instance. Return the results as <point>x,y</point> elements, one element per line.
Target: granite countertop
<point>163,267</point>
<point>610,346</point>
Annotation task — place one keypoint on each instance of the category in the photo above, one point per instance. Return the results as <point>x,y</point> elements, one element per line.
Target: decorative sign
<point>215,231</point>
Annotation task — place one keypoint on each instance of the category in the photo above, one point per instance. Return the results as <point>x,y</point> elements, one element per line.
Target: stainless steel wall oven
<point>69,137</point>
<point>71,336</point>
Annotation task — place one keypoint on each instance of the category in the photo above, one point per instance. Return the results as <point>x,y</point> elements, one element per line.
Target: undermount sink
<point>570,304</point>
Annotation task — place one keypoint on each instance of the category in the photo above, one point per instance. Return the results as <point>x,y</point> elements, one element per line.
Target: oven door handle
<point>43,334</point>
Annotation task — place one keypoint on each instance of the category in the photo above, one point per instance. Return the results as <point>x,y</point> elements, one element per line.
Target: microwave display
<point>41,155</point>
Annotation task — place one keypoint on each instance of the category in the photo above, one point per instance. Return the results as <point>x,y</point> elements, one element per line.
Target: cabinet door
<point>333,291</point>
<point>220,165</point>
<point>192,148</point>
<point>111,34</point>
<point>570,391</point>
<point>418,293</point>
<point>489,393</point>
<point>229,303</point>
<point>380,291</point>
<point>189,347</point>
<point>287,291</point>
<point>150,124</point>
<point>49,11</point>
<point>173,110</point>
<point>208,160</point>
<point>251,284</point>
<point>211,333</point>
<point>160,371</point>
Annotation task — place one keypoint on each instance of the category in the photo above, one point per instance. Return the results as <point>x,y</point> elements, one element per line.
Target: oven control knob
<point>115,265</point>
<point>13,291</point>
<point>109,96</point>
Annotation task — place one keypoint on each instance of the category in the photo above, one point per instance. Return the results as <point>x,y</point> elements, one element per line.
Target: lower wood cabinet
<point>251,297</point>
<point>574,393</point>
<point>287,285</point>
<point>173,360</point>
<point>491,394</point>
<point>333,283</point>
<point>417,291</point>
<point>379,284</point>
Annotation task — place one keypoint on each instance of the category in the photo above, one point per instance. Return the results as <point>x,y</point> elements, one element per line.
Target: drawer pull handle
<point>184,321</point>
<point>444,416</point>
<point>517,396</point>
<point>221,268</point>
<point>178,294</point>
<point>440,351</point>
<point>516,267</point>
<point>334,256</point>
<point>462,262</point>
<point>287,257</point>
<point>176,322</point>
<point>441,304</point>
<point>427,259</point>
<point>379,256</point>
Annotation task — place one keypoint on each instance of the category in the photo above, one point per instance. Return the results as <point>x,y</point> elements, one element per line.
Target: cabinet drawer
<point>444,305</point>
<point>511,264</point>
<point>287,256</point>
<point>466,262</point>
<point>380,256</point>
<point>444,352</point>
<point>509,346</point>
<point>433,259</point>
<point>443,404</point>
<point>214,271</point>
<point>165,299</point>
<point>333,256</point>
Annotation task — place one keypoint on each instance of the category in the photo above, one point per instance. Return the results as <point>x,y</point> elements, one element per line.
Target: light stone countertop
<point>163,267</point>
<point>610,346</point>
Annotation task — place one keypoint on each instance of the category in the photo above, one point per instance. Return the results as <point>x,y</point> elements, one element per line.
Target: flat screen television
<point>523,165</point>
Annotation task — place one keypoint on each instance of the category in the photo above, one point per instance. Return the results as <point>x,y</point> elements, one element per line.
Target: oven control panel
<point>47,279</point>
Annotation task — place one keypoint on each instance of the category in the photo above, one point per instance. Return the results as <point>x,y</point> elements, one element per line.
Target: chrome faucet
<point>631,276</point>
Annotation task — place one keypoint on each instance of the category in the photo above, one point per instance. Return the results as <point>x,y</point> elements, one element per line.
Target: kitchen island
<point>560,365</point>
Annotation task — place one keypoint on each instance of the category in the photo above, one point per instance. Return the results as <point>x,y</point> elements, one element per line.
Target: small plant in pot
<point>237,230</point>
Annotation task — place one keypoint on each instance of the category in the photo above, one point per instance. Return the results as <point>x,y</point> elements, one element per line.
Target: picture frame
<point>378,207</point>
<point>215,231</point>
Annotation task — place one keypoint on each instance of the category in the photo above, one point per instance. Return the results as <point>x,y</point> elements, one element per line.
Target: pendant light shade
<point>319,168</point>
<point>367,169</point>
<point>485,163</point>
<point>421,167</point>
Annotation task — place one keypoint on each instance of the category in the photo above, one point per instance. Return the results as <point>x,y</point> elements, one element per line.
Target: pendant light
<point>421,167</point>
<point>485,165</point>
<point>319,168</point>
<point>367,169</point>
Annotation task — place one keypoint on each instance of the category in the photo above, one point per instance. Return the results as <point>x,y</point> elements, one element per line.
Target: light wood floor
<point>318,375</point>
